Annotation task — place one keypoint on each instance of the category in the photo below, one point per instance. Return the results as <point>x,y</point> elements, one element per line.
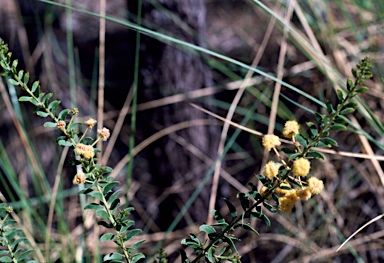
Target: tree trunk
<point>168,70</point>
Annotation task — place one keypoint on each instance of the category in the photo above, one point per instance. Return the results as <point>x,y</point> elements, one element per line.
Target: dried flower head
<point>288,201</point>
<point>270,141</point>
<point>90,122</point>
<point>315,185</point>
<point>79,178</point>
<point>61,125</point>
<point>291,128</point>
<point>271,169</point>
<point>301,167</point>
<point>103,133</point>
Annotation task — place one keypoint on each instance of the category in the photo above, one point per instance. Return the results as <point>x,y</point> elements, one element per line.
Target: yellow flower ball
<point>271,169</point>
<point>271,141</point>
<point>304,194</point>
<point>315,185</point>
<point>291,128</point>
<point>301,167</point>
<point>288,201</point>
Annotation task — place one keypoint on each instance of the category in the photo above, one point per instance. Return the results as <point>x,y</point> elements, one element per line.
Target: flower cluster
<point>297,172</point>
<point>84,150</point>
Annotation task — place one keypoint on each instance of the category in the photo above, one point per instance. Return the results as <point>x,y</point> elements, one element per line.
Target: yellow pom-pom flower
<point>304,194</point>
<point>271,169</point>
<point>291,128</point>
<point>301,167</point>
<point>315,185</point>
<point>270,141</point>
<point>288,201</point>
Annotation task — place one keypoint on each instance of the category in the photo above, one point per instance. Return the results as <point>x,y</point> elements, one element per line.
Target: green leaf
<point>270,207</point>
<point>102,214</point>
<point>328,141</point>
<point>340,94</point>
<point>113,256</point>
<point>329,107</point>
<point>350,85</point>
<point>64,143</point>
<point>42,114</point>
<point>13,82</point>
<point>46,98</point>
<point>293,156</point>
<point>207,229</point>
<point>216,214</point>
<point>222,225</point>
<point>132,233</point>
<point>20,75</point>
<point>114,205</point>
<point>63,114</point>
<point>25,98</point>
<point>52,107</point>
<point>35,86</point>
<point>5,259</point>
<point>35,102</point>
<point>232,208</point>
<point>94,206</point>
<point>315,155</point>
<point>14,63</point>
<point>247,226</point>
<point>341,119</point>
<point>109,187</point>
<point>137,257</point>
<point>303,141</point>
<point>114,196</point>
<point>313,129</point>
<point>105,224</point>
<point>244,200</point>
<point>107,236</point>
<point>229,241</point>
<point>137,244</point>
<point>24,254</point>
<point>49,124</point>
<point>16,243</point>
<point>26,78</point>
<point>361,90</point>
<point>347,110</point>
<point>338,127</point>
<point>354,72</point>
<point>210,256</point>
<point>266,220</point>
<point>96,195</point>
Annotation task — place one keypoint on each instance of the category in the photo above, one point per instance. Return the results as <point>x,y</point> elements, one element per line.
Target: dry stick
<point>139,147</point>
<point>346,154</point>
<point>53,202</point>
<point>280,74</point>
<point>117,127</point>
<point>230,114</point>
<point>100,106</point>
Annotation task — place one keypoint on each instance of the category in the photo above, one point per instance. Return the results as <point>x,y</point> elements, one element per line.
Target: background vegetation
<point>300,53</point>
